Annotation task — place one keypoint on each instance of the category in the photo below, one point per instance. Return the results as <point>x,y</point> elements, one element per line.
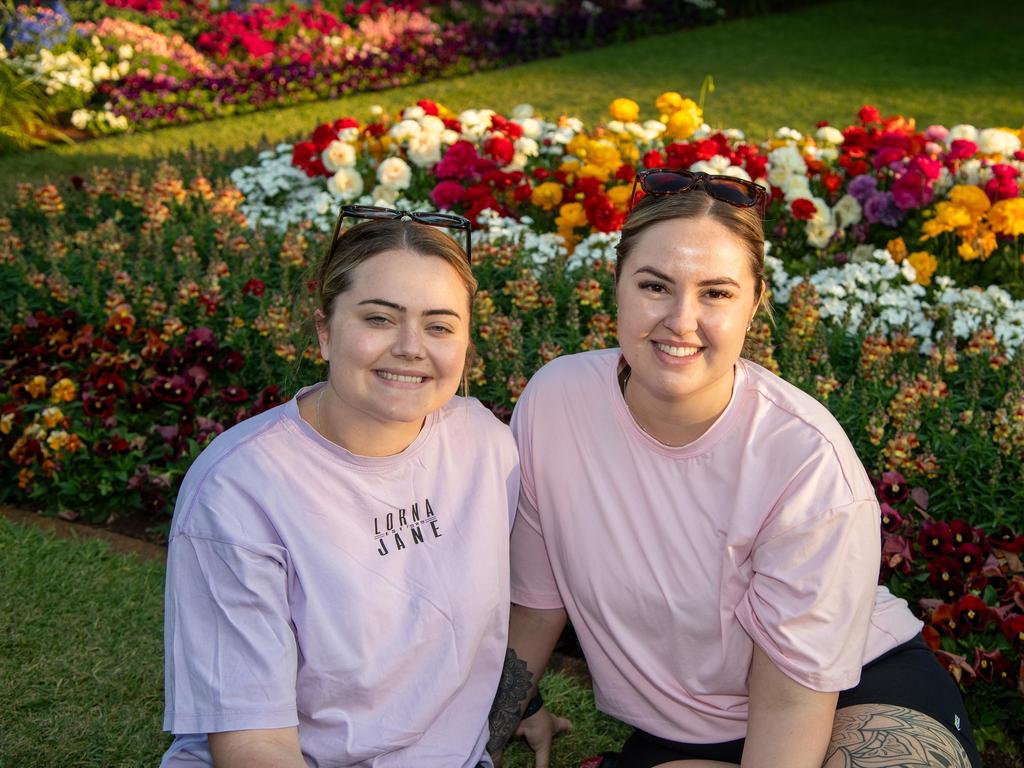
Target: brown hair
<point>369,238</point>
<point>745,223</point>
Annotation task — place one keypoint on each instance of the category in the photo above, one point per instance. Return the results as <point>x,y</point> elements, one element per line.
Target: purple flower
<point>862,187</point>
<point>880,209</point>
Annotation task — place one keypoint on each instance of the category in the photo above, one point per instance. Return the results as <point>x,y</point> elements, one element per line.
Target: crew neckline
<point>718,429</point>
<point>369,463</point>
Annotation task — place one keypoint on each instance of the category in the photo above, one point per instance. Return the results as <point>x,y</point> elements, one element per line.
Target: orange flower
<point>37,386</point>
<point>63,391</point>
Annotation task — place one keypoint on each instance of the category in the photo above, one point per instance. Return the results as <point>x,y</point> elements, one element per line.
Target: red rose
<point>625,172</point>
<point>653,159</point>
<point>429,107</point>
<point>345,122</point>
<point>306,156</point>
<point>869,114</point>
<point>803,209</point>
<point>961,149</point>
<point>541,173</point>
<point>323,135</point>
<point>501,149</point>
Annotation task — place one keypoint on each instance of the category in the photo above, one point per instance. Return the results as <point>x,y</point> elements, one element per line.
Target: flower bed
<point>125,64</point>
<point>143,315</point>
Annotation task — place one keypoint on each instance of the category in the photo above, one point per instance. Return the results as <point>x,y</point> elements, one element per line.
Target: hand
<point>539,730</point>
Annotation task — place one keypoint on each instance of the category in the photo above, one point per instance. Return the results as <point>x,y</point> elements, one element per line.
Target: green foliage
<point>26,118</point>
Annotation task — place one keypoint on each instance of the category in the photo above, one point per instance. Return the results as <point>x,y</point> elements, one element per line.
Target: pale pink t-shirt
<point>673,562</point>
<point>364,600</point>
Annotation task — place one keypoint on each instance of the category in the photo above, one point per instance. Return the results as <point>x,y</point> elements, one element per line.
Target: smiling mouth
<point>678,351</point>
<point>401,378</point>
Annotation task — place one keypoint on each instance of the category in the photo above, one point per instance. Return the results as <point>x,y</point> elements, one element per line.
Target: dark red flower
<point>306,156</point>
<point>963,532</point>
<point>869,114</point>
<point>970,556</point>
<point>993,666</point>
<point>891,519</point>
<point>268,397</point>
<point>1013,629</point>
<point>935,538</point>
<point>972,614</point>
<point>111,445</point>
<point>447,194</point>
<point>234,394</point>
<point>98,407</point>
<point>254,287</point>
<point>653,159</point>
<point>1004,538</point>
<point>944,577</point>
<point>501,149</point>
<point>172,389</point>
<point>231,360</point>
<point>961,149</point>
<point>945,621</point>
<point>893,488</point>
<point>323,135</point>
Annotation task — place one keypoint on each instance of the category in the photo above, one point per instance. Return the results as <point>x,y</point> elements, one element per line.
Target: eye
<point>440,329</point>
<point>378,320</point>
<point>718,293</point>
<point>653,287</point>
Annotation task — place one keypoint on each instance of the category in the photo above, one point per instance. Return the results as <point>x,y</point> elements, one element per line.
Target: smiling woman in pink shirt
<point>317,609</point>
<point>709,530</point>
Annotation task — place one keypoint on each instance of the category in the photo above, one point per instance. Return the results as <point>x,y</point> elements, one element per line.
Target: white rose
<point>448,136</point>
<point>734,134</point>
<point>532,128</point>
<point>963,131</point>
<point>714,165</point>
<point>848,211</point>
<point>521,112</point>
<point>616,126</point>
<point>384,195</point>
<point>80,118</point>
<point>819,233</point>
<point>527,146</point>
<point>655,126</point>
<point>346,184</point>
<point>795,187</point>
<point>788,134</point>
<point>829,135</point>
<point>969,171</point>
<point>788,157</point>
<point>563,135</point>
<point>432,124</point>
<point>425,150</point>
<point>995,141</point>
<point>338,154</point>
<point>394,173</point>
<point>414,112</point>
<point>404,130</point>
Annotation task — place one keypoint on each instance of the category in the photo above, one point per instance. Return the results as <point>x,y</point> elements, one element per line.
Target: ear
<point>323,334</point>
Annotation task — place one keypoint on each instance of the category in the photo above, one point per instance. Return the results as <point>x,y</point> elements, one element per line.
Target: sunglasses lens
<point>441,219</point>
<point>666,183</point>
<point>736,192</point>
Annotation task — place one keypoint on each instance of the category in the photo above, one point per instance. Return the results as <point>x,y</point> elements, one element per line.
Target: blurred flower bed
<point>142,314</point>
<point>106,66</point>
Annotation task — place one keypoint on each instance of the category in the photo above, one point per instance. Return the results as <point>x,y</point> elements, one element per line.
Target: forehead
<point>415,277</point>
<point>701,245</point>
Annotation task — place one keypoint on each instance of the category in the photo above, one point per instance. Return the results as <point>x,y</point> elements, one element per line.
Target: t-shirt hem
<point>230,721</point>
<point>534,600</point>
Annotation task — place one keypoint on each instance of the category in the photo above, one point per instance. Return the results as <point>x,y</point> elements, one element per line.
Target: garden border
<point>68,530</point>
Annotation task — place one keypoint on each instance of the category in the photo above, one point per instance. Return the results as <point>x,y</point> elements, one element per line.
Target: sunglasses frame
<point>430,218</point>
<point>705,181</point>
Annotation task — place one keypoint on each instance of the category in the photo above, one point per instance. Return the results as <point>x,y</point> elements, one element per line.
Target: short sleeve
<point>532,579</point>
<point>811,596</point>
<point>230,650</point>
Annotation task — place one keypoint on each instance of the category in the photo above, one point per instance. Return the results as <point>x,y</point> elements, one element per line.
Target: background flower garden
<point>143,310</point>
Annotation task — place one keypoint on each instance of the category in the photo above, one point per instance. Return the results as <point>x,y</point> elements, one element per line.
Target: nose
<point>408,342</point>
<point>681,316</point>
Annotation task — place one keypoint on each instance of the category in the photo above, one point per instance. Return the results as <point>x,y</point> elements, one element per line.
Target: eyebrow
<point>702,284</point>
<point>400,308</point>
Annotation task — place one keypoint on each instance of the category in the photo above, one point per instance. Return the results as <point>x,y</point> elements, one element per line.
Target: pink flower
<point>459,162</point>
<point>447,193</point>
<point>1003,184</point>
<point>962,149</point>
<point>911,190</point>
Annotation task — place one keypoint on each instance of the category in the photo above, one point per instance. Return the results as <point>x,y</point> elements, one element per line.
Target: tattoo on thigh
<point>513,689</point>
<point>886,736</point>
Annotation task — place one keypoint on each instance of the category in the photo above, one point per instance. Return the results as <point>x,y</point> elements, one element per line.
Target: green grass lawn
<point>81,662</point>
<point>931,59</point>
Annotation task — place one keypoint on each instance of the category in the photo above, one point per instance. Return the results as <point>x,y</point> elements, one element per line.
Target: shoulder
<point>226,473</point>
<point>801,432</point>
<point>467,419</point>
<point>584,371</point>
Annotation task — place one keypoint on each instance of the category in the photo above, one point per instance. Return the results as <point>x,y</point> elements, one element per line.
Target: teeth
<point>395,377</point>
<point>678,351</point>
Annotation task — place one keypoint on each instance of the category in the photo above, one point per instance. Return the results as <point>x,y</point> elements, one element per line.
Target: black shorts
<point>907,676</point>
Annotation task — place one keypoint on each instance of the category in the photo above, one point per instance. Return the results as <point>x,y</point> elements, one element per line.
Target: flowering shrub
<point>149,63</point>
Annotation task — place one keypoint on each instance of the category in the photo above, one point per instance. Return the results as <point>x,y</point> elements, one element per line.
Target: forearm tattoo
<point>513,689</point>
<point>887,736</point>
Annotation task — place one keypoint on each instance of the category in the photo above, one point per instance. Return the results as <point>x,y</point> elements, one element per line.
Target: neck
<point>353,431</point>
<point>677,421</point>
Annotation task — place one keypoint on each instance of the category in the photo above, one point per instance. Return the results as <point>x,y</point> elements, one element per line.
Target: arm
<point>789,724</point>
<point>264,748</point>
<point>532,636</point>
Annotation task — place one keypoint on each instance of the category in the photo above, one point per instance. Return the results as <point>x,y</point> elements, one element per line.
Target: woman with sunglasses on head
<point>317,609</point>
<point>709,530</point>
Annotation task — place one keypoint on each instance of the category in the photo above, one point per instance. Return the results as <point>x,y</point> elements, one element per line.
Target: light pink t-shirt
<point>364,600</point>
<point>673,562</point>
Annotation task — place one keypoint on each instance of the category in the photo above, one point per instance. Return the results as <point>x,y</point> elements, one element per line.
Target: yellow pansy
<point>547,195</point>
<point>63,391</point>
<point>625,110</point>
<point>37,386</point>
<point>52,416</point>
<point>6,422</point>
<point>924,265</point>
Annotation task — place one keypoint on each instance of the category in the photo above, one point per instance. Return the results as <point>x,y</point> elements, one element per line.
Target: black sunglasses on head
<point>431,219</point>
<point>673,181</point>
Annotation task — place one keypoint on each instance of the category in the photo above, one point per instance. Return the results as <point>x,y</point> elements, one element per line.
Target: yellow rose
<point>1006,217</point>
<point>569,166</point>
<point>924,265</point>
<point>625,110</point>
<point>579,145</point>
<point>604,154</point>
<point>599,172</point>
<point>669,102</point>
<point>684,122</point>
<point>548,195</point>
<point>570,216</point>
<point>620,196</point>
<point>971,198</point>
